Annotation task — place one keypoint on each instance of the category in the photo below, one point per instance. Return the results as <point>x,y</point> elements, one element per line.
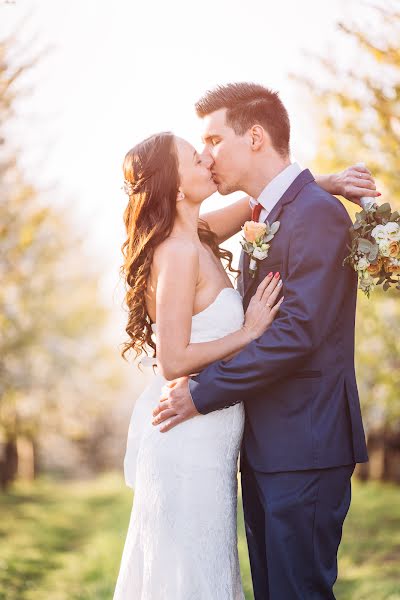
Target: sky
<point>117,71</point>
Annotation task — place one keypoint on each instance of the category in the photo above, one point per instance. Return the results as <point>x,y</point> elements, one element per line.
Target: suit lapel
<point>241,278</point>
<point>291,193</point>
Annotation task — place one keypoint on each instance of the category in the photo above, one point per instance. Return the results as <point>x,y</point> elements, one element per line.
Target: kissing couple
<point>265,370</point>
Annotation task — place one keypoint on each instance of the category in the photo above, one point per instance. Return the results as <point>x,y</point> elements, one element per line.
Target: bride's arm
<point>227,221</point>
<point>353,183</point>
<point>177,267</point>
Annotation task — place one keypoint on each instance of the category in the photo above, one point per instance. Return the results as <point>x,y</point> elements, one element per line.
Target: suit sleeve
<point>314,291</point>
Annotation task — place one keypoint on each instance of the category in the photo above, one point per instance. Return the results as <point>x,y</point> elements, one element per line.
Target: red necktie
<point>255,212</point>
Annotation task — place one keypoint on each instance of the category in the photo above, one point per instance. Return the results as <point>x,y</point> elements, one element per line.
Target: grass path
<point>63,541</point>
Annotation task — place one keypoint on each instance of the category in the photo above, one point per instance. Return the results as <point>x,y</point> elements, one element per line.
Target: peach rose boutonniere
<point>375,247</point>
<point>256,241</point>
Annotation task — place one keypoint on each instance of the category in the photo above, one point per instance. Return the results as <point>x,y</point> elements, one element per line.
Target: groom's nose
<point>207,159</point>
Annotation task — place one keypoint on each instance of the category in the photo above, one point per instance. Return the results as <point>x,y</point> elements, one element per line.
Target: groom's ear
<point>258,137</point>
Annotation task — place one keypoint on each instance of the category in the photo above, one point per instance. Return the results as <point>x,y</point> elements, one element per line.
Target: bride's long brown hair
<point>151,181</point>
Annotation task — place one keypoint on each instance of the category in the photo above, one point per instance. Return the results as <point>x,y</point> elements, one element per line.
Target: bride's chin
<point>211,191</point>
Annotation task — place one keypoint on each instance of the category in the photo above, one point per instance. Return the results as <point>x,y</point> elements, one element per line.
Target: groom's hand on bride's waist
<point>175,405</point>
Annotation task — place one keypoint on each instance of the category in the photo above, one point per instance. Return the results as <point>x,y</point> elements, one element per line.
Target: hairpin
<point>128,187</point>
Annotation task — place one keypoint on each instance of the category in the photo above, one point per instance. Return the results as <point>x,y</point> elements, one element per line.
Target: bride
<point>182,538</point>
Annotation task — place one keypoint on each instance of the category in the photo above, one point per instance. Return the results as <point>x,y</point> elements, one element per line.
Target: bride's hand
<point>354,183</point>
<point>263,306</point>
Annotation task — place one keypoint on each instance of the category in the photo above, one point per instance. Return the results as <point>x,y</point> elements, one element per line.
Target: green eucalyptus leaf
<point>247,247</point>
<point>364,246</point>
<point>373,253</point>
<point>275,227</point>
<point>384,208</point>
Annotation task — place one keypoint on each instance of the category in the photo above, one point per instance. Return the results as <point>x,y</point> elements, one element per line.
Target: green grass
<point>369,556</point>
<point>63,541</point>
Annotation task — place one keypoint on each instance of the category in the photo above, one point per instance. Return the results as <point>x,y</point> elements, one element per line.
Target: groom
<point>303,430</point>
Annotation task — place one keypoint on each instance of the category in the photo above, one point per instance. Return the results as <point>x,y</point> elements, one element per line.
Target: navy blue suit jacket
<point>297,381</point>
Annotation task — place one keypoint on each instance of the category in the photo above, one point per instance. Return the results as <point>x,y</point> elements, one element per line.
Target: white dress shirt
<point>275,189</point>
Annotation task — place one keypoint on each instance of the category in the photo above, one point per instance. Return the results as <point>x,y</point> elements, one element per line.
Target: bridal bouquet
<point>375,247</point>
<point>256,238</point>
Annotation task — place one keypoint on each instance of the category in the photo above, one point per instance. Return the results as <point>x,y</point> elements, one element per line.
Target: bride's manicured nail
<point>279,282</point>
<point>379,194</point>
<point>277,275</point>
<point>270,274</point>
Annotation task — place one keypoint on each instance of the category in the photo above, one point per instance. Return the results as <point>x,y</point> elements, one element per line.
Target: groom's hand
<point>175,406</point>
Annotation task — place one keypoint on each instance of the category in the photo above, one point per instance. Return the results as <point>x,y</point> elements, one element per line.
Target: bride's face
<point>195,173</point>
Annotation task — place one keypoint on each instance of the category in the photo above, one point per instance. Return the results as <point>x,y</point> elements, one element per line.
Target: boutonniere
<point>256,238</point>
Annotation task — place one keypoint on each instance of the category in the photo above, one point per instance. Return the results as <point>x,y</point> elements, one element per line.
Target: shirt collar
<point>275,189</point>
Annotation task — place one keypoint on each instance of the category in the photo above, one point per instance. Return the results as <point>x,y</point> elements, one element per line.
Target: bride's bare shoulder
<point>175,252</point>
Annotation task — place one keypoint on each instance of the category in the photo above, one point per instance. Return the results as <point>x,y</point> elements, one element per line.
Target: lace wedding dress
<point>182,537</point>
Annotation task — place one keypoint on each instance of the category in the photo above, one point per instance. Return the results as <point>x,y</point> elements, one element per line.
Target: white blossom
<point>384,247</point>
<point>362,264</point>
<point>260,254</point>
<point>379,233</point>
<point>392,231</point>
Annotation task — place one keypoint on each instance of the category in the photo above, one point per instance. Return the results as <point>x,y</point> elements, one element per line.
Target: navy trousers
<point>293,526</point>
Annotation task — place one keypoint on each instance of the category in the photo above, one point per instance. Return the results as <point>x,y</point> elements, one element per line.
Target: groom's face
<point>230,153</point>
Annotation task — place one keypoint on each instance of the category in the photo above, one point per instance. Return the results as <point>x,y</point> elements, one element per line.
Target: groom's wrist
<point>192,393</point>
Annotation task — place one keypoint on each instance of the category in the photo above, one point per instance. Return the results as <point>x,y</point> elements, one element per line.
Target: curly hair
<point>151,174</point>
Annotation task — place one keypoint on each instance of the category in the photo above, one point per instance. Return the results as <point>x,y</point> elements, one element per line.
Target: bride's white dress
<point>182,537</point>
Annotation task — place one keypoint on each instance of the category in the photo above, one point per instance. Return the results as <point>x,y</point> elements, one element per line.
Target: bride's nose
<point>207,159</point>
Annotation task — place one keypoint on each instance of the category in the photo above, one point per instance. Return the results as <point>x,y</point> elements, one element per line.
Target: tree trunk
<point>26,459</point>
<point>9,464</point>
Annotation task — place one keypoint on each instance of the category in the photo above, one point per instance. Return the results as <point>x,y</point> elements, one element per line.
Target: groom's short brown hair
<point>248,104</point>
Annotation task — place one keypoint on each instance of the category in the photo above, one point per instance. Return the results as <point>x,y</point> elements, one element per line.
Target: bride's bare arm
<point>352,183</point>
<point>227,221</point>
<point>177,268</point>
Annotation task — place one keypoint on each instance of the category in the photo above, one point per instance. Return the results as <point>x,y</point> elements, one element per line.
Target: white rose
<point>392,231</point>
<point>384,247</point>
<point>260,254</point>
<point>362,264</point>
<point>379,233</point>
